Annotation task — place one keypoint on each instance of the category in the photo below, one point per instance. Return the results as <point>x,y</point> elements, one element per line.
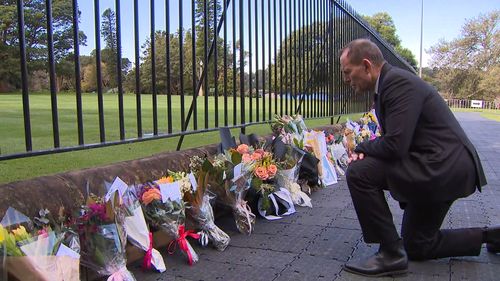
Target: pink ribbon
<point>146,262</point>
<point>183,243</point>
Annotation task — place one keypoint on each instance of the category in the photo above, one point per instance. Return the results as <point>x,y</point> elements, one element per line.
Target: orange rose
<point>150,195</point>
<point>271,170</point>
<point>261,173</point>
<point>242,148</point>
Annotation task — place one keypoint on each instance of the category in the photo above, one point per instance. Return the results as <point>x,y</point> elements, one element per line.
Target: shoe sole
<point>388,273</point>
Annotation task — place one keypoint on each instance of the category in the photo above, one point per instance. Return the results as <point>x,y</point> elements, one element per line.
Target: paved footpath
<point>313,244</point>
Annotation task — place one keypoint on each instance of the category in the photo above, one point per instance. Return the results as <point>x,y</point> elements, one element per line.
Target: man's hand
<point>355,157</point>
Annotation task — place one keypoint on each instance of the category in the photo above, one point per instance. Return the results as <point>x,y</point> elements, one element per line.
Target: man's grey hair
<point>360,49</point>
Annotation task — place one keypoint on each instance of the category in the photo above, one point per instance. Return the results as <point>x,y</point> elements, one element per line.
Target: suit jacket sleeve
<point>401,105</point>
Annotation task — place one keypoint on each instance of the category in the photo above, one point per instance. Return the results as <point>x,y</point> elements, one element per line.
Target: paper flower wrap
<point>103,238</point>
<point>200,210</point>
<point>45,255</point>
<point>164,210</point>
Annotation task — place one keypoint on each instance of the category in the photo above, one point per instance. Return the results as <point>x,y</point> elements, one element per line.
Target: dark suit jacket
<point>427,154</point>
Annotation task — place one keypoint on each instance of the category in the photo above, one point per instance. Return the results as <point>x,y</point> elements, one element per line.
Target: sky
<point>443,19</point>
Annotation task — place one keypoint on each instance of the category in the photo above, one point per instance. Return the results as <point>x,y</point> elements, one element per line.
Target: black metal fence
<point>211,64</point>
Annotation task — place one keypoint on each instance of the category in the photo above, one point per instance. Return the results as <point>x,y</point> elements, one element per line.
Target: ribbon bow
<point>183,243</point>
<point>146,262</point>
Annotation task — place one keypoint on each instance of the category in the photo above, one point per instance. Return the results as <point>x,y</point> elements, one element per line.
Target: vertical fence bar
<point>119,69</point>
<point>205,60</point>
<point>78,83</point>
<point>286,58</point>
<point>293,101</point>
<point>137,49</point>
<point>100,104</point>
<point>257,101</point>
<point>193,62</point>
<point>235,122</point>
<point>263,60</point>
<point>167,63</point>
<point>270,93</point>
<point>153,68</point>
<point>242,68</point>
<point>225,65</point>
<point>181,65</point>
<point>24,76</point>
<point>52,73</point>
<point>275,62</point>
<point>250,103</point>
<point>216,70</point>
<point>281,55</point>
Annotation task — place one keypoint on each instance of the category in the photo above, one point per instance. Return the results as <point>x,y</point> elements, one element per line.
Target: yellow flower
<point>3,233</point>
<point>21,234</point>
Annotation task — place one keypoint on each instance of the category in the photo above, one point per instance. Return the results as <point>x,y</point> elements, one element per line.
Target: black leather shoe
<point>390,260</point>
<point>492,237</point>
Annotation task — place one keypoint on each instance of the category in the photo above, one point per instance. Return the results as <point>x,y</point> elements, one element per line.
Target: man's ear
<point>367,65</point>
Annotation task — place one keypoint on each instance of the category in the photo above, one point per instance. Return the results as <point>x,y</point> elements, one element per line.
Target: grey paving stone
<point>461,270</point>
<point>311,268</point>
<point>253,257</point>
<point>341,222</point>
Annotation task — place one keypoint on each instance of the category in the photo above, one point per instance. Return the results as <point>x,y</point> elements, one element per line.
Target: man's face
<point>357,75</point>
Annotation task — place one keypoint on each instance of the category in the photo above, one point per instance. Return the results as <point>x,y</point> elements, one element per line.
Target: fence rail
<point>478,104</point>
<point>203,65</point>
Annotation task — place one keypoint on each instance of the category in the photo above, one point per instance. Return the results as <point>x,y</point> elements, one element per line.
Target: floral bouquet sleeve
<point>164,210</point>
<point>138,233</point>
<point>200,210</point>
<point>103,237</point>
<point>228,178</point>
<point>38,255</point>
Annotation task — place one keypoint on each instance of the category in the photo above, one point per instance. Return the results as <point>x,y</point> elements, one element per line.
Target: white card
<point>192,179</point>
<point>170,191</point>
<point>118,185</point>
<point>66,251</point>
<point>237,172</point>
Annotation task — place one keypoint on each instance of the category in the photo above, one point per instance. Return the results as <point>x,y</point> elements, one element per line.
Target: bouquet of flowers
<point>137,230</point>
<point>199,209</point>
<point>264,182</point>
<point>228,179</point>
<point>288,174</point>
<point>290,128</point>
<point>317,142</point>
<point>164,209</point>
<point>38,255</point>
<point>337,152</point>
<point>103,237</point>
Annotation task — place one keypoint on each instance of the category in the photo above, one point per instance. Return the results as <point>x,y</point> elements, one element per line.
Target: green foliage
<point>468,66</point>
<point>384,25</point>
<point>35,38</point>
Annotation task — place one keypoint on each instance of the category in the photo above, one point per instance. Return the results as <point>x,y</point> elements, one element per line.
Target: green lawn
<point>12,129</point>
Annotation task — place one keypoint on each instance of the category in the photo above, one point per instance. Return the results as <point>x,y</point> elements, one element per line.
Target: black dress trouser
<point>421,233</point>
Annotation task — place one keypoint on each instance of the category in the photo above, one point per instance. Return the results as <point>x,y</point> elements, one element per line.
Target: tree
<point>109,54</point>
<point>35,37</point>
<point>384,25</point>
<point>468,66</point>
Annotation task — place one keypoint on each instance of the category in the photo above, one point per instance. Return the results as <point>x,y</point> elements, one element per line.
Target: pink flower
<point>259,151</point>
<point>246,158</point>
<point>43,233</point>
<point>98,210</point>
<point>261,173</point>
<point>256,156</point>
<point>271,170</point>
<point>242,148</point>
